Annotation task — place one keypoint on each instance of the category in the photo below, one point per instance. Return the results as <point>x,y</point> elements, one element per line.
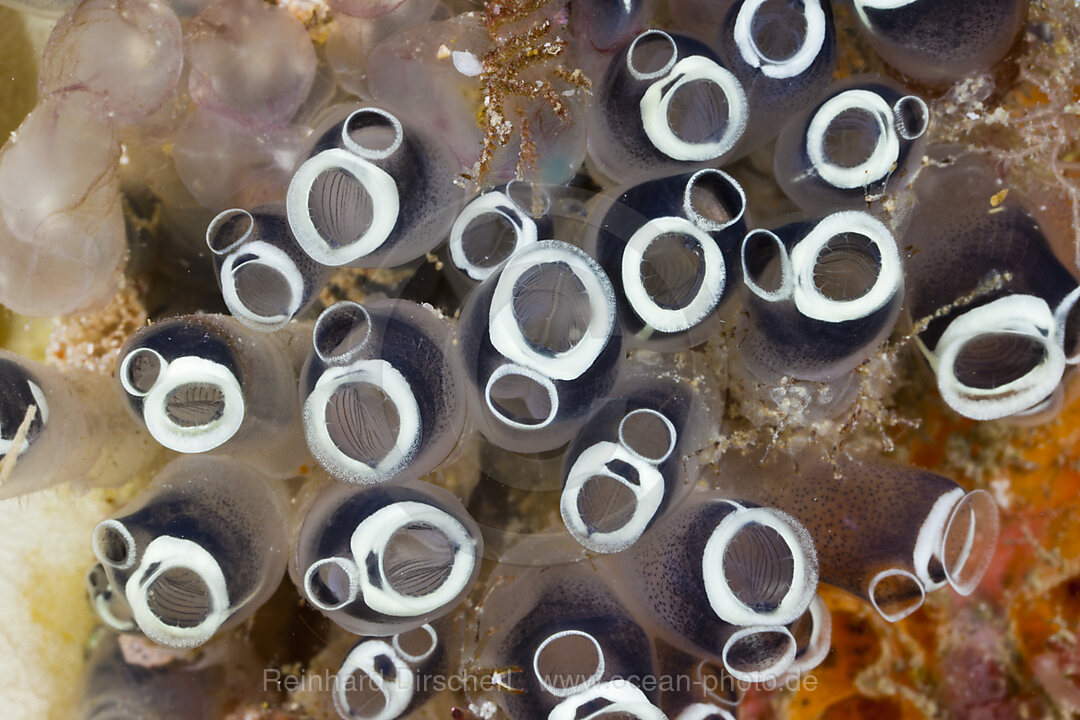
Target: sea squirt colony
<point>586,246</point>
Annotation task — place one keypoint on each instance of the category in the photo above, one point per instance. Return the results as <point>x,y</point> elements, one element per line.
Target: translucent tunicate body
<point>782,51</point>
<point>265,277</point>
<point>381,392</point>
<point>994,305</point>
<point>562,644</point>
<point>76,431</point>
<point>670,246</point>
<point>721,579</point>
<point>941,41</point>
<point>385,559</point>
<point>665,104</point>
<point>632,462</point>
<point>888,533</point>
<point>198,551</point>
<point>202,383</point>
<point>373,191</point>
<point>820,296</point>
<point>540,344</point>
<point>858,142</point>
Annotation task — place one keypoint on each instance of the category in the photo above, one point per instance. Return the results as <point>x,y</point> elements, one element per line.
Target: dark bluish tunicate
<point>381,392</point>
<point>374,191</point>
<point>265,277</point>
<point>941,41</point>
<point>197,552</point>
<point>665,104</point>
<point>632,462</point>
<point>993,305</point>
<point>857,143</point>
<point>540,344</point>
<point>820,296</point>
<point>563,644</point>
<point>671,249</point>
<point>385,559</point>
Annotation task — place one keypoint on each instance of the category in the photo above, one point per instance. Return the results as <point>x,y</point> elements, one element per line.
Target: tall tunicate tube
<point>941,41</point>
<point>61,224</point>
<point>540,345</point>
<point>383,678</point>
<point>722,579</point>
<point>198,551</point>
<point>859,142</point>
<point>127,52</point>
<point>60,427</point>
<point>665,104</point>
<point>820,296</point>
<point>671,248</point>
<point>373,191</point>
<point>995,307</point>
<point>888,533</point>
<point>495,225</point>
<point>202,383</point>
<point>264,275</point>
<point>379,560</point>
<point>561,644</point>
<point>382,391</point>
<point>783,52</point>
<point>632,462</point>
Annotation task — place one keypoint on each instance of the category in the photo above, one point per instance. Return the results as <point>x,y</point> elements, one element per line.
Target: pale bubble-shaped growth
<point>251,61</point>
<point>62,237</point>
<point>128,52</point>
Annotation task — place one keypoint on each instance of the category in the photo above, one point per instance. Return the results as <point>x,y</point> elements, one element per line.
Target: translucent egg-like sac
<point>704,690</point>
<point>198,551</point>
<point>631,463</point>
<point>250,61</point>
<point>373,192</point>
<point>496,224</point>
<point>665,105</point>
<point>855,145</point>
<point>433,75</point>
<point>561,644</point>
<point>265,276</point>
<point>722,579</point>
<point>385,559</point>
<point>128,52</point>
<point>383,678</point>
<point>999,308</point>
<point>113,688</point>
<point>354,36</point>
<point>382,392</point>
<point>783,52</point>
<point>202,383</point>
<point>60,427</point>
<point>941,41</point>
<point>909,531</point>
<point>540,345</point>
<point>221,161</point>
<point>820,296</point>
<point>61,225</point>
<point>671,248</point>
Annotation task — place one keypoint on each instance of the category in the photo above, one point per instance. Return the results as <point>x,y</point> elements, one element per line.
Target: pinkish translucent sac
<point>364,8</point>
<point>216,157</point>
<point>62,241</point>
<point>251,61</point>
<point>128,52</point>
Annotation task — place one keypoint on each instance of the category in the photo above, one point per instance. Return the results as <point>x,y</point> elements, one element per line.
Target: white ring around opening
<point>426,627</point>
<point>113,526</point>
<point>492,203</point>
<point>708,224</point>
<point>270,257</point>
<point>343,310</point>
<point>348,569</point>
<point>125,369</point>
<point>665,69</point>
<point>898,117</point>
<point>708,294</point>
<point>787,280</point>
<point>379,185</point>
<point>221,217</point>
<point>673,436</point>
<point>372,153</point>
<point>906,610</point>
<point>397,693</point>
<point>506,334</point>
<point>770,672</point>
<point>882,159</point>
<point>192,370</point>
<point>657,99</point>
<point>800,60</point>
<point>622,697</point>
<point>931,535</point>
<point>804,257</point>
<point>539,378</point>
<point>560,691</point>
